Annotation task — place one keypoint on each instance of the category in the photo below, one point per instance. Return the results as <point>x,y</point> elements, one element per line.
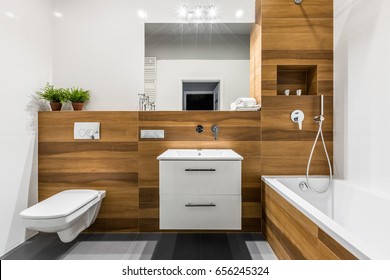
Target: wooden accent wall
<point>293,236</point>
<point>285,149</point>
<point>294,37</point>
<point>239,131</point>
<point>126,166</point>
<point>297,35</point>
<point>110,163</point>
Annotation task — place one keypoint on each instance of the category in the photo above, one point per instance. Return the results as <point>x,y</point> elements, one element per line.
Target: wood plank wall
<point>295,36</point>
<point>126,166</point>
<point>239,131</point>
<point>110,163</point>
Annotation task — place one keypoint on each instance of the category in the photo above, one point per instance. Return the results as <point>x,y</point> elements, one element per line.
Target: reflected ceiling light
<point>298,1</point>
<point>142,14</point>
<point>58,15</point>
<point>239,13</point>
<point>10,15</point>
<point>212,12</point>
<point>198,12</point>
<point>182,12</point>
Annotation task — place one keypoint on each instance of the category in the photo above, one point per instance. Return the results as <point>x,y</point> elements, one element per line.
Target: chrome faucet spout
<point>215,130</point>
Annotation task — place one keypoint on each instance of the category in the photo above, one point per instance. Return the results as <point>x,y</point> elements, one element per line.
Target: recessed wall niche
<point>294,77</point>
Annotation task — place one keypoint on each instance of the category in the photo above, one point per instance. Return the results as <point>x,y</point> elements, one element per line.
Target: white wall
<point>170,73</point>
<point>99,45</point>
<point>25,55</point>
<point>362,92</point>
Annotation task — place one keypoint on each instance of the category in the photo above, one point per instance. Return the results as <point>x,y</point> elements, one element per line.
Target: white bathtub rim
<point>327,224</point>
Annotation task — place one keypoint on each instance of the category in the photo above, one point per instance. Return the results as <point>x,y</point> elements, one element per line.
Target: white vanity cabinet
<point>200,193</point>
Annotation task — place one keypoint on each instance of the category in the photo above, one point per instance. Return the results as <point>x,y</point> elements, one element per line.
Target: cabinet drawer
<point>200,177</point>
<point>203,212</point>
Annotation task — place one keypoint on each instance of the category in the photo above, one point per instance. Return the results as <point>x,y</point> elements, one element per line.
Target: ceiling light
<point>142,14</point>
<point>10,15</point>
<point>239,13</point>
<point>183,12</point>
<point>58,15</point>
<point>190,14</point>
<point>198,12</point>
<point>212,12</point>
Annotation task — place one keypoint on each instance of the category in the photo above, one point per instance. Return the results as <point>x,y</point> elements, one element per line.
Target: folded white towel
<point>248,108</point>
<point>233,106</point>
<point>246,101</point>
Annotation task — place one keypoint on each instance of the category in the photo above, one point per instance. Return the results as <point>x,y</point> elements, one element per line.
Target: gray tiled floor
<point>146,246</point>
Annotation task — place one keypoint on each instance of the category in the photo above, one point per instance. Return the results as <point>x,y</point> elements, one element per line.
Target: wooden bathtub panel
<point>293,236</point>
<point>325,253</point>
<point>289,246</point>
<point>278,249</point>
<point>299,218</point>
<point>304,240</point>
<point>334,246</point>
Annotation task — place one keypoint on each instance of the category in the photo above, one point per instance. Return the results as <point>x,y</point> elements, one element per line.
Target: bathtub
<point>357,219</point>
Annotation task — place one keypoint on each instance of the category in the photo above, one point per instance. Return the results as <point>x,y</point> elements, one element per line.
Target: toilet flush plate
<point>86,130</point>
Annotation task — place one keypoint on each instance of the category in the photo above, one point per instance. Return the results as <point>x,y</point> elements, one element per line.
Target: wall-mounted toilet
<point>68,213</point>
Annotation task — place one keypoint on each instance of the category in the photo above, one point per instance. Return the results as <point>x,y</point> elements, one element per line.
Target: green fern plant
<point>52,94</point>
<point>77,95</point>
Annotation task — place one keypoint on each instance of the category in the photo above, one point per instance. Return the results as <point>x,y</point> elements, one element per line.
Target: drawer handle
<point>195,169</point>
<point>201,205</point>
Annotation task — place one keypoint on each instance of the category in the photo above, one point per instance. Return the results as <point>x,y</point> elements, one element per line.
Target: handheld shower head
<point>298,1</point>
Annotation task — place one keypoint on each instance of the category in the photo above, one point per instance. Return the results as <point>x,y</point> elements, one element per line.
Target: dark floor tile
<point>238,247</point>
<point>149,236</point>
<point>159,246</point>
<point>165,248</point>
<point>109,237</point>
<point>187,247</point>
<point>215,247</point>
<point>43,246</point>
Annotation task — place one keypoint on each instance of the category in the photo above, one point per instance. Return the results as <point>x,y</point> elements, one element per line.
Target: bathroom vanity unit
<point>200,190</point>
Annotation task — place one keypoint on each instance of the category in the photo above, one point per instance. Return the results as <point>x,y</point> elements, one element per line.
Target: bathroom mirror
<point>196,66</point>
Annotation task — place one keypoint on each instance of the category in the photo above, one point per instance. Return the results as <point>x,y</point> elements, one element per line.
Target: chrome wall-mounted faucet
<point>215,130</point>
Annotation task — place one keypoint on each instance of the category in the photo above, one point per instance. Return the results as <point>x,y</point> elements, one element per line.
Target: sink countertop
<point>200,154</point>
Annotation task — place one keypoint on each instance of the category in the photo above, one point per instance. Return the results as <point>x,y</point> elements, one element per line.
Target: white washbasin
<point>201,154</point>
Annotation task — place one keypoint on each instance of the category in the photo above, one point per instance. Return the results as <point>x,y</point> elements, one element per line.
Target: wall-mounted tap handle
<point>215,130</point>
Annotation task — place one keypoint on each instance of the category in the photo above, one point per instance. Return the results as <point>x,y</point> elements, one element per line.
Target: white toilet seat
<point>67,213</point>
<point>60,205</point>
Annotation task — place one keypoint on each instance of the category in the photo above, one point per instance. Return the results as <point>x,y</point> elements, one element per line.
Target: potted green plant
<point>78,97</point>
<point>54,95</point>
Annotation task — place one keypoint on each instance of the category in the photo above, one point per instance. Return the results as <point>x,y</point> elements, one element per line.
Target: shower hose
<point>319,134</point>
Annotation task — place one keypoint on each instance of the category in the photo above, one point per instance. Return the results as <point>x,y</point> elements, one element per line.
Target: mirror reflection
<point>196,66</point>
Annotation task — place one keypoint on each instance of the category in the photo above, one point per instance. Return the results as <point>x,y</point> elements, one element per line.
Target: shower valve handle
<point>297,116</point>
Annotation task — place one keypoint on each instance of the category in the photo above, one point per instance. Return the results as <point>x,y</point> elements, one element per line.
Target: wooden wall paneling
<point>180,134</point>
<point>288,9</point>
<point>110,163</point>
<point>285,148</point>
<point>115,126</point>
